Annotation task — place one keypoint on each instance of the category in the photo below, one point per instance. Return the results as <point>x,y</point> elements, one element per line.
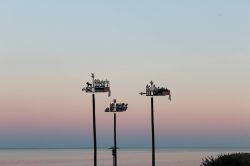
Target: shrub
<point>235,159</point>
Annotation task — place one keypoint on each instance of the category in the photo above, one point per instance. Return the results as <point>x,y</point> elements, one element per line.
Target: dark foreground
<point>235,159</point>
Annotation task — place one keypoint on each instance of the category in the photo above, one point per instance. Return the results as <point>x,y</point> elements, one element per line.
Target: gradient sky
<point>200,50</point>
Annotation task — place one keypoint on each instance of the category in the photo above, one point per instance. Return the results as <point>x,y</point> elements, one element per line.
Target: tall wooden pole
<point>115,146</point>
<point>94,130</point>
<point>152,90</point>
<point>153,132</point>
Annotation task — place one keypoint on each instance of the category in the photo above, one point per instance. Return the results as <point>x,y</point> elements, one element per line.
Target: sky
<point>200,50</point>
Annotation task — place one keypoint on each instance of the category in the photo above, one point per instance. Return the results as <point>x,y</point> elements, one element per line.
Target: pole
<point>115,146</point>
<point>153,132</point>
<point>94,130</point>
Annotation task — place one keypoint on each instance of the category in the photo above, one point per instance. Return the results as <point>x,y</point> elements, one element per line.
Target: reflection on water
<point>127,157</point>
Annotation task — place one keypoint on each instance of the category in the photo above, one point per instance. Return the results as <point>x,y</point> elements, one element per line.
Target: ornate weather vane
<point>115,107</point>
<point>97,86</point>
<point>152,90</point>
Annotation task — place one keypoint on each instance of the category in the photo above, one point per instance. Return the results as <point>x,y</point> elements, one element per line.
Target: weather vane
<point>116,107</point>
<point>152,90</point>
<point>97,86</point>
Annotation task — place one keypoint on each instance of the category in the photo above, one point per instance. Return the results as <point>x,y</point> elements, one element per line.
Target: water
<point>126,157</point>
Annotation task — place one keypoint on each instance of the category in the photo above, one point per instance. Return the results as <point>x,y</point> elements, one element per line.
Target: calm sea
<point>126,157</point>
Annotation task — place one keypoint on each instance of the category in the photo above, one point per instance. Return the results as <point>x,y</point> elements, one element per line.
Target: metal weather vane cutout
<point>152,90</point>
<point>97,86</point>
<point>116,107</point>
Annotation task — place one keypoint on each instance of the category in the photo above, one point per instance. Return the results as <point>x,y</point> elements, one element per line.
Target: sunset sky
<point>200,50</point>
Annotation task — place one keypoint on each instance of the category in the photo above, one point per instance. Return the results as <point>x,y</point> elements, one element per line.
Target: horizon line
<point>172,147</point>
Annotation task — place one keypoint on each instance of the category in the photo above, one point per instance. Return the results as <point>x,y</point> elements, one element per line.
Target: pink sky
<point>200,51</point>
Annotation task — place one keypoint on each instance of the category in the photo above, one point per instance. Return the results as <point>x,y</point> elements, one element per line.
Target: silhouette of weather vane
<point>96,86</point>
<point>115,107</point>
<point>152,90</point>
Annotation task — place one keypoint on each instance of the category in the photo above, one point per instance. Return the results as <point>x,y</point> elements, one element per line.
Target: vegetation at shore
<point>235,159</point>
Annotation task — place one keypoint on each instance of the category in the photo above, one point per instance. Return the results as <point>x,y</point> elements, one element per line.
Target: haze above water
<point>131,157</point>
